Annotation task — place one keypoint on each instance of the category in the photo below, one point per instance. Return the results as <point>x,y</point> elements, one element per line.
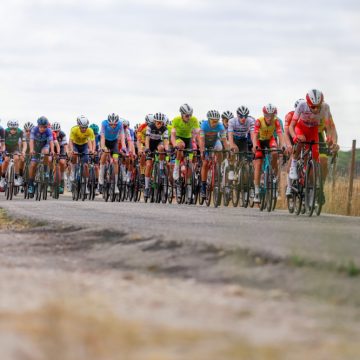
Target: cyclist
<point>226,116</point>
<point>141,137</point>
<point>157,138</point>
<point>305,126</point>
<point>240,129</point>
<point>95,129</point>
<point>184,133</point>
<point>112,131</point>
<point>63,145</point>
<point>2,138</point>
<point>264,139</point>
<point>289,141</point>
<point>41,142</point>
<point>305,123</point>
<point>128,161</point>
<point>15,143</point>
<point>212,137</point>
<point>82,142</point>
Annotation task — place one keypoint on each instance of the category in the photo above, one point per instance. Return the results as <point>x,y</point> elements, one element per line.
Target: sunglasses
<point>83,127</point>
<point>268,116</point>
<point>187,116</point>
<point>314,107</point>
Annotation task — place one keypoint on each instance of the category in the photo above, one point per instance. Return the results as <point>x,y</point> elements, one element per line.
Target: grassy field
<point>336,201</point>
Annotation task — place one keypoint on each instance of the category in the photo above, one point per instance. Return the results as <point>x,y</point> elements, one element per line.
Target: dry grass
<point>8,223</point>
<point>336,201</point>
<point>86,330</point>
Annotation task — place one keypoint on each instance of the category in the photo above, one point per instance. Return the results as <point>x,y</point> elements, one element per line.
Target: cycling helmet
<point>113,118</point>
<point>186,109</point>
<point>227,115</point>
<point>243,111</point>
<point>12,124</point>
<point>269,109</point>
<point>149,118</point>
<point>297,102</point>
<point>43,121</point>
<point>314,97</point>
<point>94,128</point>
<point>160,117</point>
<point>213,114</point>
<point>28,126</point>
<point>83,121</point>
<point>56,126</point>
<point>126,123</point>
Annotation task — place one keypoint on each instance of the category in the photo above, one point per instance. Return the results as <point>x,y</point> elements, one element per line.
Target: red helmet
<point>314,97</point>
<point>270,109</point>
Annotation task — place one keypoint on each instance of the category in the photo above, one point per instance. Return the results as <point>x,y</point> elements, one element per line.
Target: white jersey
<point>240,130</point>
<point>304,115</point>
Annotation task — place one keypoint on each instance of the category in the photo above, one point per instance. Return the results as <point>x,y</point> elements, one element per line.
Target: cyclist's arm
<point>71,146</point>
<point>166,144</point>
<point>173,137</point>
<point>56,143</point>
<point>102,141</point>
<point>256,134</point>
<point>147,141</point>
<point>202,141</point>
<point>24,147</point>
<point>52,146</point>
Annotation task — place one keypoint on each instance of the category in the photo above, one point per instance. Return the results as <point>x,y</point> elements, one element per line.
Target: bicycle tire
<point>269,189</point>
<point>319,190</point>
<point>235,188</point>
<point>209,183</point>
<point>217,186</point>
<point>310,187</point>
<point>164,185</point>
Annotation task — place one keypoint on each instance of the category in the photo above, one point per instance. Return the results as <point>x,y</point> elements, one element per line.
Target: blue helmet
<point>43,121</point>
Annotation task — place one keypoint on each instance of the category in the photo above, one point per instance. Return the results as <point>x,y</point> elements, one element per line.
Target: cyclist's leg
<point>257,169</point>
<point>179,156</point>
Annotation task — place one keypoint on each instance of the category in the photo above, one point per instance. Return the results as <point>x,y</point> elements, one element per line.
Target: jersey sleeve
<point>257,126</point>
<point>102,131</point>
<point>32,134</point>
<point>231,126</point>
<point>2,135</point>
<point>72,134</point>
<point>166,134</point>
<point>50,135</point>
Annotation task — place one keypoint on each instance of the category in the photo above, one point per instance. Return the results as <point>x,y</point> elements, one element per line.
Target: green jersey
<point>185,129</point>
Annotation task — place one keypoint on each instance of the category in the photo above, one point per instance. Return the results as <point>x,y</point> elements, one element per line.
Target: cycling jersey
<point>264,131</point>
<point>12,141</point>
<point>185,129</point>
<point>241,130</point>
<point>97,141</point>
<point>288,118</point>
<point>212,134</point>
<point>109,132</point>
<point>61,138</point>
<point>141,133</point>
<point>81,138</point>
<point>156,134</point>
<point>304,115</point>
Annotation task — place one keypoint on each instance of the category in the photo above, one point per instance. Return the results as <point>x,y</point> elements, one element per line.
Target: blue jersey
<point>111,134</point>
<point>41,138</point>
<point>212,134</point>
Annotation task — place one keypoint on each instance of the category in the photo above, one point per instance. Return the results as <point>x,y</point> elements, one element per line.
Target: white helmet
<point>269,109</point>
<point>126,123</point>
<point>297,102</point>
<point>160,117</point>
<point>314,97</point>
<point>113,118</point>
<point>28,125</point>
<point>213,114</point>
<point>227,115</point>
<point>186,109</point>
<point>149,118</point>
<point>243,111</point>
<point>83,121</point>
<point>12,124</point>
<point>56,126</point>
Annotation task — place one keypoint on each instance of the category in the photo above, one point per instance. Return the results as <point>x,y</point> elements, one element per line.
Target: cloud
<point>62,58</point>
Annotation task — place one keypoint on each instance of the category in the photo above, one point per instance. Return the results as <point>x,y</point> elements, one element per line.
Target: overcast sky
<point>63,58</point>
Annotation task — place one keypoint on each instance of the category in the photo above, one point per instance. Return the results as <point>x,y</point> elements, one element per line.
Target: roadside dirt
<point>68,293</point>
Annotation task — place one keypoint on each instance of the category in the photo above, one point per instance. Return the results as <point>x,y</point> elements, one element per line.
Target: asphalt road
<point>326,238</point>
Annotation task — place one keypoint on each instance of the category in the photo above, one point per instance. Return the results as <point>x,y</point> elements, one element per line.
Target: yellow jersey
<point>80,138</point>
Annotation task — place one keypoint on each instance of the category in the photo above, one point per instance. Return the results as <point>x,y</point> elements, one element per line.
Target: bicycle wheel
<point>235,187</point>
<point>38,191</point>
<point>319,190</point>
<point>170,193</point>
<point>274,193</point>
<point>251,185</point>
<point>263,190</point>
<point>195,181</point>
<point>217,186</point>
<point>310,187</point>
<point>243,185</point>
<point>179,189</point>
<point>164,186</point>
<point>10,182</point>
<point>156,182</point>
<point>269,190</point>
<point>227,189</point>
<point>209,183</point>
